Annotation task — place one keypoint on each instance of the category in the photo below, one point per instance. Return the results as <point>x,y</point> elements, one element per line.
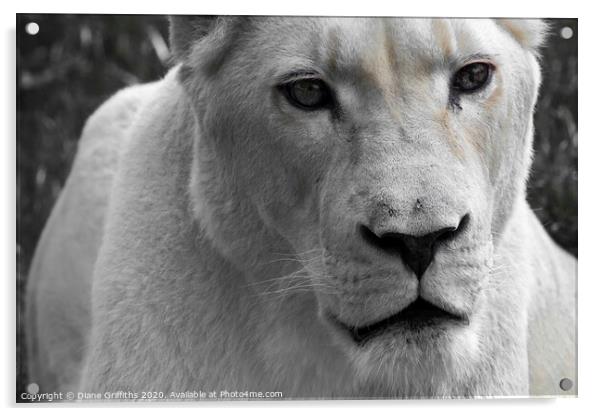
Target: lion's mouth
<point>419,315</point>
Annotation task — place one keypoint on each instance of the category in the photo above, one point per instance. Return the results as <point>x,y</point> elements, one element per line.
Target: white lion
<point>325,207</point>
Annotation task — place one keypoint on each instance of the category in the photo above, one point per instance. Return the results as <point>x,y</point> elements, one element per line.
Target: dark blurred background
<point>76,62</point>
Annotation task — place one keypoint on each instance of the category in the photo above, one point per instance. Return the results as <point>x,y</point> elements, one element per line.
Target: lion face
<point>387,153</point>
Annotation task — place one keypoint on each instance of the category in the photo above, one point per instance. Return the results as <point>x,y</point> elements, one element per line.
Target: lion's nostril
<point>416,251</point>
<point>452,232</point>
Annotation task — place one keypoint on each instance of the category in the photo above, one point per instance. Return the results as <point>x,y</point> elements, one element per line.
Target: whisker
<point>293,276</point>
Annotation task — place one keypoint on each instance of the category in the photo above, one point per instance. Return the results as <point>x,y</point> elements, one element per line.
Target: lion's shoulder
<point>552,313</point>
<point>59,282</point>
<point>108,126</point>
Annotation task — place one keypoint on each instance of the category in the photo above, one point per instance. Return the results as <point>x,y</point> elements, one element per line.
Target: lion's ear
<point>184,30</point>
<point>530,33</point>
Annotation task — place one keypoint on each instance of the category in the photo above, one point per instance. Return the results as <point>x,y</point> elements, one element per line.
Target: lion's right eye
<point>308,94</point>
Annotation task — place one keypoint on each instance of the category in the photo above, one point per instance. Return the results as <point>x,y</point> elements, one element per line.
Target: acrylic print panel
<point>267,208</point>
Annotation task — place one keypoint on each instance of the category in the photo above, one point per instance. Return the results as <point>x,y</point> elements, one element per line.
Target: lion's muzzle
<point>409,256</point>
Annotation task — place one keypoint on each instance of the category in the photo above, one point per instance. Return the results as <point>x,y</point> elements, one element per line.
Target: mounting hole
<point>566,32</point>
<point>566,384</point>
<point>33,388</point>
<point>32,28</point>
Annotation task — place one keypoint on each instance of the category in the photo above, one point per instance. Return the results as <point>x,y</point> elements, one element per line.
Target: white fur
<point>217,224</point>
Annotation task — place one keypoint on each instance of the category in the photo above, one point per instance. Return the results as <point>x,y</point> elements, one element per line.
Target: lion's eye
<point>308,94</point>
<point>472,77</point>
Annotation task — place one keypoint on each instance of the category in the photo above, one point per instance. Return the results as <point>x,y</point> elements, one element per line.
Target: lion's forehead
<point>378,46</point>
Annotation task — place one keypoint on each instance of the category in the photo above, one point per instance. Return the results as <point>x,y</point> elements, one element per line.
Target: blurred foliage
<point>552,190</point>
<point>76,62</point>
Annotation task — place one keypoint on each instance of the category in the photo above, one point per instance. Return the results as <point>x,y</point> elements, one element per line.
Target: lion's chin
<point>431,361</point>
<point>416,352</point>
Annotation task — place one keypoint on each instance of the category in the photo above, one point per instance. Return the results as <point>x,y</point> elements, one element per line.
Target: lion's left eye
<point>308,94</point>
<point>472,77</point>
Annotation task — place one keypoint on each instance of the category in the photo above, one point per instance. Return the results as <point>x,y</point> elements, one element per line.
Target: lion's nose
<point>416,251</point>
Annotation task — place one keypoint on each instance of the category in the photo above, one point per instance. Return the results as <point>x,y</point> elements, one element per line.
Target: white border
<point>590,276</point>
<point>457,8</point>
